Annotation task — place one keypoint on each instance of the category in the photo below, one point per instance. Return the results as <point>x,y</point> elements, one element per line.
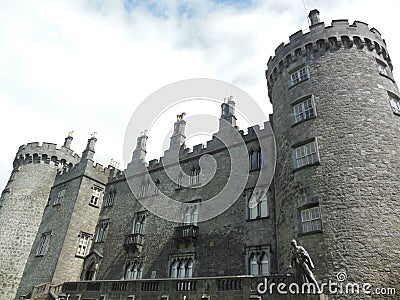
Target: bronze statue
<point>302,262</point>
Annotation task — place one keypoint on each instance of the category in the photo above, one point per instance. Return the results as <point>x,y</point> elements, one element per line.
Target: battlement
<point>321,39</point>
<point>45,153</point>
<point>89,168</point>
<point>253,132</point>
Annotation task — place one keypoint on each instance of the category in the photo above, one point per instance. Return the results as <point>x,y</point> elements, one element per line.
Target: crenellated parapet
<point>323,39</point>
<point>93,170</point>
<point>252,133</point>
<point>46,153</point>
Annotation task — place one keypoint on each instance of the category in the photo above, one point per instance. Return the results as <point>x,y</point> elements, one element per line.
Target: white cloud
<point>86,65</point>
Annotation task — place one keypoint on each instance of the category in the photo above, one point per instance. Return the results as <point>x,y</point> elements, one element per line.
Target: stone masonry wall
<point>35,168</point>
<point>356,181</point>
<point>220,242</point>
<point>65,221</point>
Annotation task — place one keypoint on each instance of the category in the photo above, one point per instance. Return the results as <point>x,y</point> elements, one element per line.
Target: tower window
<point>257,204</point>
<point>304,110</point>
<point>394,103</point>
<point>310,219</point>
<point>95,198</point>
<point>306,154</point>
<point>83,244</point>
<point>3,197</point>
<point>382,68</point>
<point>60,196</point>
<point>299,76</point>
<point>43,244</point>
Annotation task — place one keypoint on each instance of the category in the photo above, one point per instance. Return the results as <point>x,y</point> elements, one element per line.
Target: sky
<point>86,65</point>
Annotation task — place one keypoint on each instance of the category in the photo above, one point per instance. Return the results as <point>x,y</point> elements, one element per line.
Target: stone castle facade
<point>74,229</point>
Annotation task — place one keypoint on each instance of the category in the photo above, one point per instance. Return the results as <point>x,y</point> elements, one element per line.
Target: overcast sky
<point>86,65</point>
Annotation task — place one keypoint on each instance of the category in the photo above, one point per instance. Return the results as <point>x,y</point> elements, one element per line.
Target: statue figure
<point>302,262</point>
<point>180,117</point>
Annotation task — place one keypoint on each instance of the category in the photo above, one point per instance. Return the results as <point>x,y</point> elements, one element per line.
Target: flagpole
<point>306,10</point>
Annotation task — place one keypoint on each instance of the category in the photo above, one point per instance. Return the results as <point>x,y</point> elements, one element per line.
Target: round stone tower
<point>22,204</point>
<point>337,128</point>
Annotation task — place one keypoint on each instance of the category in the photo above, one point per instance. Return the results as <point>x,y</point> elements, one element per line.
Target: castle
<point>73,229</point>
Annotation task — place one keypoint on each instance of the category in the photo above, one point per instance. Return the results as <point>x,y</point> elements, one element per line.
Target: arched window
<point>90,273</point>
<point>182,269</point>
<point>138,223</point>
<point>253,264</point>
<point>187,216</point>
<point>255,159</point>
<point>140,270</point>
<point>109,201</point>
<point>157,184</point>
<point>257,203</point>
<point>189,271</point>
<point>191,214</point>
<point>195,175</point>
<point>133,269</point>
<point>129,270</point>
<point>264,264</point>
<point>174,269</point>
<point>195,214</point>
<point>144,189</point>
<point>179,181</point>
<point>258,261</point>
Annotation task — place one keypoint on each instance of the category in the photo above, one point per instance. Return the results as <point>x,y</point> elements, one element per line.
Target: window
<point>395,104</point>
<point>110,199</point>
<point>144,189</point>
<point>191,213</point>
<point>382,68</point>
<point>257,204</point>
<point>102,228</point>
<point>60,196</point>
<point>299,75</point>
<point>303,110</point>
<point>195,175</point>
<point>181,267</point>
<point>133,269</point>
<point>95,199</point>
<point>3,197</point>
<point>138,223</point>
<point>306,154</point>
<point>255,159</point>
<point>310,219</point>
<point>83,244</point>
<point>258,261</point>
<point>179,181</point>
<point>43,244</point>
<point>157,185</point>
